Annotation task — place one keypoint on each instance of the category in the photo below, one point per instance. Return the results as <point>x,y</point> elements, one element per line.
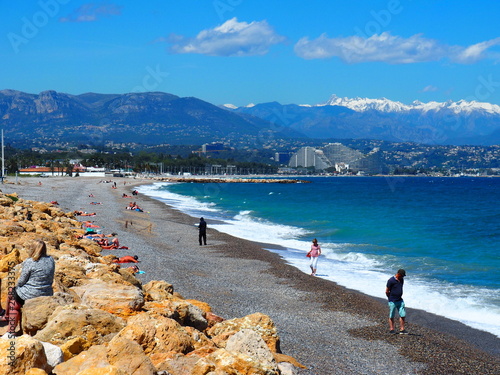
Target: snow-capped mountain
<point>385,105</point>
<point>461,122</point>
<point>365,104</point>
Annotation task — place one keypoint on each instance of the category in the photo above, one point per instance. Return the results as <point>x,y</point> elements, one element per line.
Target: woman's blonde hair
<point>38,249</point>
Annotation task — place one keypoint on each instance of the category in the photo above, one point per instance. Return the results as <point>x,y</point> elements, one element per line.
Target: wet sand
<point>326,327</point>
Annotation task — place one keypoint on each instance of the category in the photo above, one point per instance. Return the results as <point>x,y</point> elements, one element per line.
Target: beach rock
<point>36,311</point>
<point>70,273</point>
<point>156,334</point>
<point>212,319</point>
<point>74,347</point>
<point>190,315</point>
<point>117,299</point>
<point>111,274</point>
<point>6,246</point>
<point>178,364</point>
<point>89,246</point>
<point>10,230</point>
<point>67,322</point>
<point>108,370</point>
<point>163,308</point>
<point>93,358</point>
<point>20,354</point>
<point>286,368</point>
<point>8,261</point>
<point>121,354</point>
<point>158,290</point>
<point>53,353</point>
<point>128,276</point>
<point>35,371</point>
<point>251,343</point>
<point>128,356</point>
<point>283,358</point>
<point>260,323</point>
<point>225,362</point>
<point>202,343</point>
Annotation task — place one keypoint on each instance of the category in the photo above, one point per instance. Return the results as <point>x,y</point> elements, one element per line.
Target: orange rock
<point>258,322</point>
<point>21,354</point>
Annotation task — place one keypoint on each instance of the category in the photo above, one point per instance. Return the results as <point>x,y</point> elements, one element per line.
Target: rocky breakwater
<point>102,320</point>
<point>205,180</point>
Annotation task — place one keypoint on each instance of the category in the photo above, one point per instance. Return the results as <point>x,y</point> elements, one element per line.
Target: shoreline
<point>318,321</point>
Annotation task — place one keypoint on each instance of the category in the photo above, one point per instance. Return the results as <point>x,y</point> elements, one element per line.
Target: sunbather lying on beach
<point>133,206</point>
<point>89,224</point>
<point>126,196</point>
<point>83,213</point>
<point>106,245</point>
<point>93,236</point>
<point>127,259</point>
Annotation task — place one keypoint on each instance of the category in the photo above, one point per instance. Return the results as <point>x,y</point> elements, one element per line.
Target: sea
<point>445,232</point>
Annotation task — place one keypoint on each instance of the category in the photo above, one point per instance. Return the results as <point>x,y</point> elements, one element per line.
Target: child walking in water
<point>314,253</point>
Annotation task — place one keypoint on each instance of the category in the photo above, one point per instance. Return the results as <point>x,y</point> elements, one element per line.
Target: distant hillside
<point>458,123</point>
<point>147,118</point>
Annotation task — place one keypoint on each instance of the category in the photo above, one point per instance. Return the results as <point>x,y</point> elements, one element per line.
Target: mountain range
<point>154,118</point>
<point>149,118</point>
<point>459,123</point>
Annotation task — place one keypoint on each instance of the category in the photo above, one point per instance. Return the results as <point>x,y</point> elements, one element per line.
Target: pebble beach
<point>327,328</point>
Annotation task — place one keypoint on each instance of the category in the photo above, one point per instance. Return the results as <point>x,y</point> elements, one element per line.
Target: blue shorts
<point>400,306</point>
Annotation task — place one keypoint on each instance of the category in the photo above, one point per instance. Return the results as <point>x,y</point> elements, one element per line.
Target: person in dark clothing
<point>394,293</point>
<point>202,227</point>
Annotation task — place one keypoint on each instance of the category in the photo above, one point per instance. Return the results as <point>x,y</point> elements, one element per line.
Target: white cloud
<point>232,38</point>
<point>390,49</point>
<point>92,12</point>
<point>430,88</point>
<point>476,52</point>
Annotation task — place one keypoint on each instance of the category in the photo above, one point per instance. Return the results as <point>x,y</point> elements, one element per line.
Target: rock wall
<point>102,320</point>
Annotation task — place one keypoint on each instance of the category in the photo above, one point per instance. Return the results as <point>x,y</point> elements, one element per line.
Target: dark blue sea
<point>445,232</point>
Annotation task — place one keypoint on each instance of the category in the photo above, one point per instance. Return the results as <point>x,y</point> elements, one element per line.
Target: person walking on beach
<point>202,227</point>
<point>314,254</point>
<point>394,292</point>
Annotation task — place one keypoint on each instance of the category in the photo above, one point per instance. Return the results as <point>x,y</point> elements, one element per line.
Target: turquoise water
<point>443,231</point>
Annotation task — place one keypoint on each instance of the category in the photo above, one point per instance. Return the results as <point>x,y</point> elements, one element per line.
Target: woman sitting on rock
<point>36,279</point>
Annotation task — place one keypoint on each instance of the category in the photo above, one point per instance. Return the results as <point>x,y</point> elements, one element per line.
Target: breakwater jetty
<point>205,180</point>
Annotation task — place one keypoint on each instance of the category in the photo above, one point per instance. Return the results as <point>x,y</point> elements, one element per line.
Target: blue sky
<point>253,51</point>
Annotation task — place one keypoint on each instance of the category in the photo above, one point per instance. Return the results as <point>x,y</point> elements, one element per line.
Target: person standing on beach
<point>202,227</point>
<point>314,254</point>
<point>394,292</point>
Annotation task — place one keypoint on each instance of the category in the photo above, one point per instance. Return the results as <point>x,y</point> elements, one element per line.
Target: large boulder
<point>36,311</point>
<point>53,353</point>
<point>250,343</point>
<point>258,322</point>
<point>118,299</point>
<point>120,356</point>
<point>93,325</point>
<point>158,290</point>
<point>70,272</point>
<point>20,354</point>
<point>157,334</point>
<point>190,315</point>
<point>225,362</point>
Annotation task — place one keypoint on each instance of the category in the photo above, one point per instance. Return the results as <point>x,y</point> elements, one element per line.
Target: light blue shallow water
<point>444,231</point>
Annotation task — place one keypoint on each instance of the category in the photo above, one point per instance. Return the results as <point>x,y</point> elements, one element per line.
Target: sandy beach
<point>327,328</point>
